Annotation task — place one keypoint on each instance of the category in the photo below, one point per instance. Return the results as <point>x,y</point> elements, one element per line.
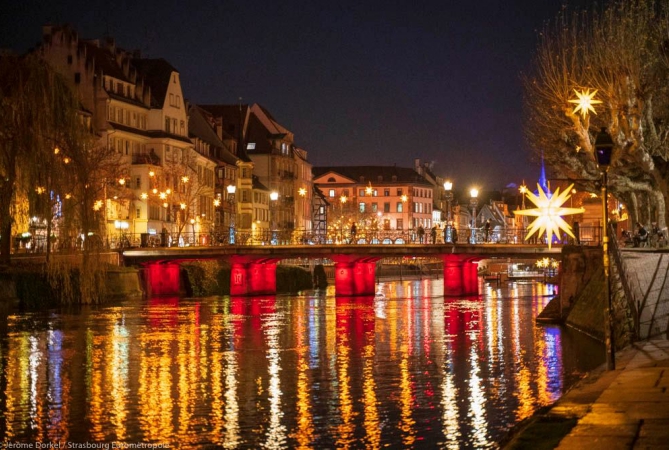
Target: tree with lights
<point>606,68</point>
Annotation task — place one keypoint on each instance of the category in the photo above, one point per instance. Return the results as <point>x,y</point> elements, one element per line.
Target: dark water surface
<point>406,369</point>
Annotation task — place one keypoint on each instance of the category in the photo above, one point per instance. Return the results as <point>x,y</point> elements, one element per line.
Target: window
<point>400,207</point>
<point>167,124</point>
<point>386,207</point>
<point>171,99</point>
<point>178,102</point>
<point>331,193</point>
<point>400,224</point>
<point>399,192</point>
<point>332,180</point>
<point>251,146</point>
<point>138,182</point>
<point>361,207</point>
<point>375,207</point>
<point>137,214</point>
<point>183,128</point>
<point>386,192</point>
<point>361,193</point>
<point>345,192</point>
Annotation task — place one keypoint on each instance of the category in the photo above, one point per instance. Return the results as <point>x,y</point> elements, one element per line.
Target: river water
<point>404,369</point>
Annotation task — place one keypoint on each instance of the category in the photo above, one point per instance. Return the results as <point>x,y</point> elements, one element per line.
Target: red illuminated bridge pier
<point>254,268</point>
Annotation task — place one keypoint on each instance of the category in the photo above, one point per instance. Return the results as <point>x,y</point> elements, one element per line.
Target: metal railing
<point>588,236</point>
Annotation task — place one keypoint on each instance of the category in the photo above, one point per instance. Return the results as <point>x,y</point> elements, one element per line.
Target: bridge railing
<point>587,236</point>
<point>35,245</point>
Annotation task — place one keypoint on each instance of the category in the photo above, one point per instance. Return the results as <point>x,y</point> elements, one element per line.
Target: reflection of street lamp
<point>474,193</point>
<point>273,196</point>
<point>231,201</point>
<point>603,149</point>
<point>448,186</point>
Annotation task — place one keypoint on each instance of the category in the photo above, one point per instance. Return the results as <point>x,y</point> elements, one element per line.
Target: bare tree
<point>185,188</point>
<point>619,51</point>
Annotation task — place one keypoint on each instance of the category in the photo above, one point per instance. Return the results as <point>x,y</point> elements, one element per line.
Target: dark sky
<point>358,82</point>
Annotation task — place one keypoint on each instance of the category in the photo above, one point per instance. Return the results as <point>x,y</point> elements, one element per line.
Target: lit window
<point>332,193</point>
<point>251,146</point>
<point>362,207</point>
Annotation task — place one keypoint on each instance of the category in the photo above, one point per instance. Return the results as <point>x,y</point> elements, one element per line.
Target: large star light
<point>548,213</point>
<point>584,102</point>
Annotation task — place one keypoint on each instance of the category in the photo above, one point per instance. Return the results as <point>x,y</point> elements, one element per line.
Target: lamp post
<point>448,187</point>
<point>603,149</point>
<point>273,196</point>
<point>231,201</point>
<point>404,199</point>
<point>192,225</point>
<point>474,193</point>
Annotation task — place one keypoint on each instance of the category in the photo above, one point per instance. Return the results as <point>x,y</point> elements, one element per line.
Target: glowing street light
<point>273,196</point>
<point>448,187</point>
<point>231,201</point>
<point>473,193</point>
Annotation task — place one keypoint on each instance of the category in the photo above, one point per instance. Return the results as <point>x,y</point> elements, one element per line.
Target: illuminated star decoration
<point>584,102</point>
<point>548,213</point>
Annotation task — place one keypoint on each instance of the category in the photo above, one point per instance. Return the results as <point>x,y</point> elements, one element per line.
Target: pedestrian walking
<point>421,233</point>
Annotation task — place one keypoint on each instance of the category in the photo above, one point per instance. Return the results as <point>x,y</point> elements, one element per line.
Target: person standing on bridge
<point>354,230</point>
<point>486,229</point>
<point>421,233</point>
<point>433,234</point>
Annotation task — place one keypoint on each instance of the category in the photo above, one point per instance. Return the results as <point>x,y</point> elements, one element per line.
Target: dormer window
<point>380,178</point>
<point>332,180</point>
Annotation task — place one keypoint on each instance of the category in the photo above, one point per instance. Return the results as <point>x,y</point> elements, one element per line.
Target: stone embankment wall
<point>584,303</point>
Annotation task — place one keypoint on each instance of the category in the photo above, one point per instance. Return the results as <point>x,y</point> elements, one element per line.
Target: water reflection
<point>401,369</point>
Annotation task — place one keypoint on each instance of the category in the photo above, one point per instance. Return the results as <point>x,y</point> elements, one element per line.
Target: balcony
<point>146,158</point>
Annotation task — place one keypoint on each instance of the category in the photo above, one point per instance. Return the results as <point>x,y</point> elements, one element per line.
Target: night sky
<point>357,82</point>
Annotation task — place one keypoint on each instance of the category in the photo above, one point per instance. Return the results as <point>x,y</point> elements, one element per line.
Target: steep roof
<point>371,174</point>
<point>199,127</point>
<point>104,60</point>
<point>157,74</point>
<point>233,119</point>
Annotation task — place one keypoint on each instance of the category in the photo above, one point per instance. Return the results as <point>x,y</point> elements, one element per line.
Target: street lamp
<point>273,196</point>
<point>231,201</point>
<point>603,149</point>
<point>192,225</point>
<point>448,186</point>
<point>474,193</point>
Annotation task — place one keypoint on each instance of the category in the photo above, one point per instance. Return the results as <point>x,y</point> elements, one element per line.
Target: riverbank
<point>623,408</point>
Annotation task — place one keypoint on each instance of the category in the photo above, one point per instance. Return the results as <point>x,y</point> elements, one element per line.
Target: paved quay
<point>627,408</point>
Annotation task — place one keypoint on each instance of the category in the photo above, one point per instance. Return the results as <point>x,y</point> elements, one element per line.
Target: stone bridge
<point>253,268</point>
